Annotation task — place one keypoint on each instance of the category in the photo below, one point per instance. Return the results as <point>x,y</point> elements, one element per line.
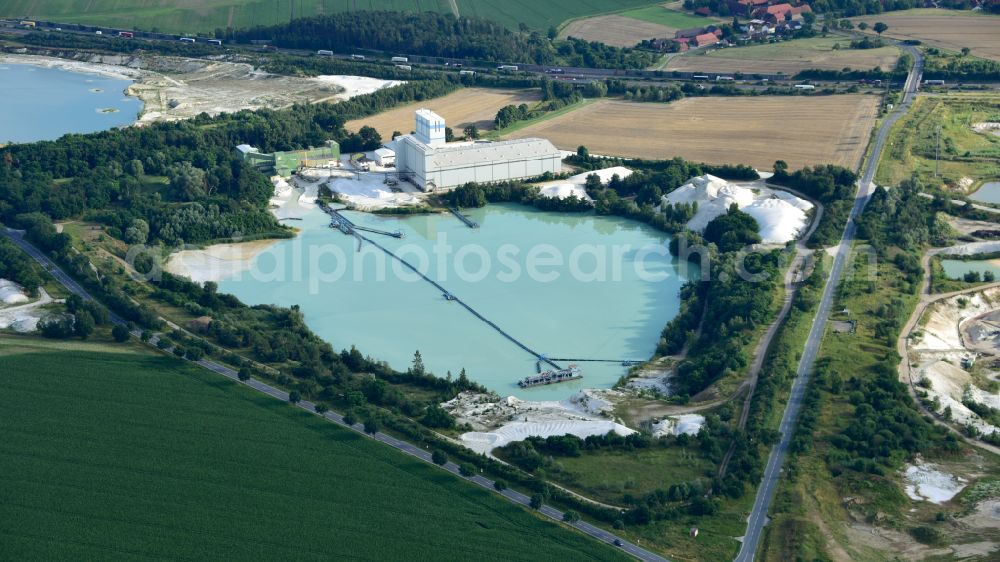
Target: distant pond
<point>988,193</point>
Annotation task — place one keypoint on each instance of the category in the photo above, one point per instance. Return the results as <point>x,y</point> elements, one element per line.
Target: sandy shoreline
<point>177,88</point>
<point>100,69</point>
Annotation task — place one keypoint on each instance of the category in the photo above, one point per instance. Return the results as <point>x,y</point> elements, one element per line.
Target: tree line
<point>438,35</point>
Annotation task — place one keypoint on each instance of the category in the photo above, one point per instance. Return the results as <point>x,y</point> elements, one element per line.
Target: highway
<point>769,483</point>
<point>405,447</point>
<point>583,74</point>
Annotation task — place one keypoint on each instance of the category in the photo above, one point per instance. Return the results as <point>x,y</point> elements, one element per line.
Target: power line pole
<point>937,151</point>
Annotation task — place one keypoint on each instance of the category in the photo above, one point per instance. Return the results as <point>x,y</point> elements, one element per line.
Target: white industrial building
<point>428,161</point>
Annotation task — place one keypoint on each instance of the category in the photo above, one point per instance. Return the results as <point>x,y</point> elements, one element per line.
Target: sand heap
<point>574,185</point>
<point>500,421</point>
<point>16,312</point>
<point>11,293</point>
<point>780,215</point>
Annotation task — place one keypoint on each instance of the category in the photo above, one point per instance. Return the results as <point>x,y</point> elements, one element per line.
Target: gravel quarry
<point>177,88</point>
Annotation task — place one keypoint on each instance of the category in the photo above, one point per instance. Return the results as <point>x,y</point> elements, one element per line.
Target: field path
<point>453,5</point>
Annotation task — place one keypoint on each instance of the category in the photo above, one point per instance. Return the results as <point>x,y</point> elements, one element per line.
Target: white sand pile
<point>924,482</point>
<point>484,442</point>
<point>605,174</point>
<point>564,190</point>
<point>574,185</point>
<point>687,424</point>
<point>11,293</point>
<point>780,215</point>
<point>357,85</point>
<point>23,318</point>
<point>499,421</point>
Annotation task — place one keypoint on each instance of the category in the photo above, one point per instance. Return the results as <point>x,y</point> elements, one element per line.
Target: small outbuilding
<point>385,157</point>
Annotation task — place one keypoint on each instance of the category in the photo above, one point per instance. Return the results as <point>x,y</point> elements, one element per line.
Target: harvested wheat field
<point>802,131</point>
<point>465,107</point>
<point>789,57</point>
<point>947,29</point>
<point>618,31</point>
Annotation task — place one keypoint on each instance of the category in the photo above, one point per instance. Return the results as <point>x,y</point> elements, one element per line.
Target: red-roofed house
<point>778,13</point>
<point>703,11</point>
<point>705,39</point>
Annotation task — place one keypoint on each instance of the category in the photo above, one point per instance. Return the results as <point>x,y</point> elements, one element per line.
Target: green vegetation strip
<point>140,456</point>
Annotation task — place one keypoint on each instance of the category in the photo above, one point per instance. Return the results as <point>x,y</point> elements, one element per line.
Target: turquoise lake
<point>956,269</point>
<point>45,103</point>
<point>590,307</point>
<point>989,192</point>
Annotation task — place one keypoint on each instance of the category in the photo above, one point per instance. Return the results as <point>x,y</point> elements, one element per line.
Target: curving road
<point>769,483</point>
<point>408,448</point>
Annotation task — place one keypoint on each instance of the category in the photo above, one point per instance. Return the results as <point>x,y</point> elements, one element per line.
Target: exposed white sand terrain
<point>940,355</point>
<point>500,421</point>
<point>485,442</point>
<point>574,185</point>
<point>687,424</point>
<point>11,293</point>
<point>925,482</point>
<point>17,313</point>
<point>780,215</point>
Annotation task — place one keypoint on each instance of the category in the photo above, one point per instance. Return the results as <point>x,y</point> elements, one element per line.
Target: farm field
<point>802,131</point>
<point>668,17</point>
<point>616,30</point>
<point>947,29</point>
<point>140,456</point>
<point>465,107</point>
<point>967,157</point>
<point>789,57</point>
<point>206,15</point>
<point>628,28</point>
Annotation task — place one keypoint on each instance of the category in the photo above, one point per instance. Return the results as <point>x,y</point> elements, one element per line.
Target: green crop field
<point>667,17</point>
<point>193,16</point>
<point>110,455</point>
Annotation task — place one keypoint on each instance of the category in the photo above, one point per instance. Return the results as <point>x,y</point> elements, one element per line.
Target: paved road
<point>442,63</point>
<point>769,483</point>
<point>792,281</point>
<point>408,448</point>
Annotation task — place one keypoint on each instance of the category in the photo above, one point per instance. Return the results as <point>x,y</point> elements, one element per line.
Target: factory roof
<point>461,154</point>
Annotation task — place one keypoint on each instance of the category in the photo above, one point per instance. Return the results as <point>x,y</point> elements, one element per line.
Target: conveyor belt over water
<point>351,230</point>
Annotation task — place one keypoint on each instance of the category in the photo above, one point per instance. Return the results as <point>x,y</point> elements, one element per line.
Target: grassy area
<point>130,454</point>
<point>667,17</point>
<point>207,15</point>
<point>788,57</point>
<point>964,153</point>
<point>607,475</point>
